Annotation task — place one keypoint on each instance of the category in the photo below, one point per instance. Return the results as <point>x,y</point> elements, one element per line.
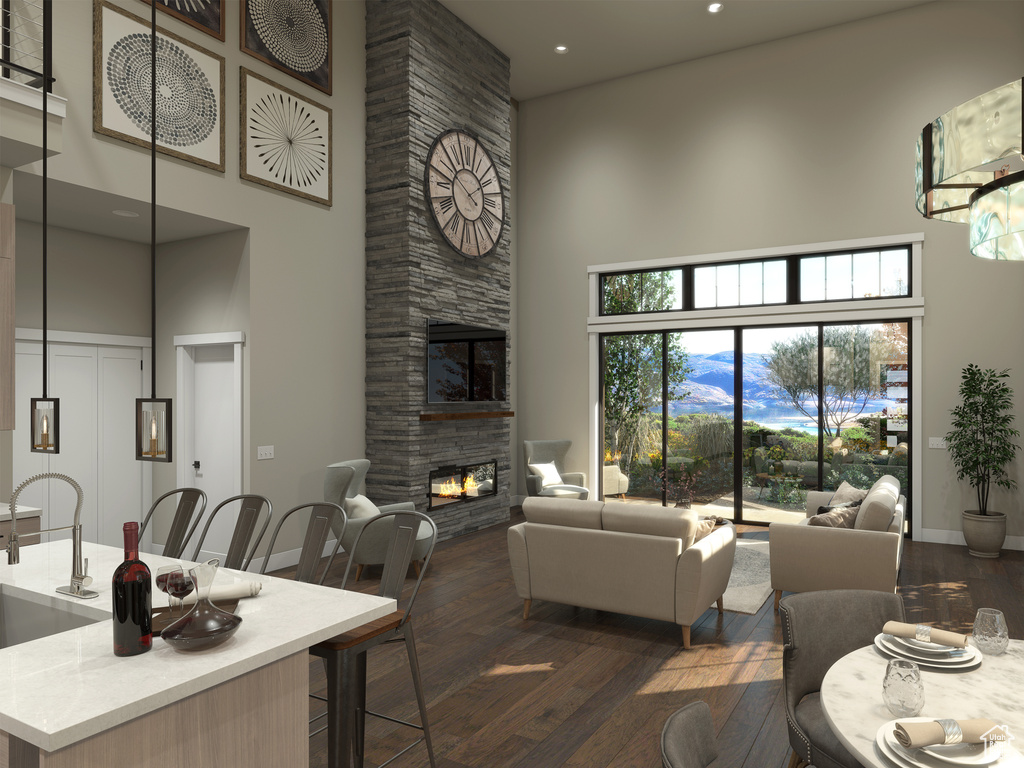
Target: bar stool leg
<point>346,708</point>
<point>414,666</point>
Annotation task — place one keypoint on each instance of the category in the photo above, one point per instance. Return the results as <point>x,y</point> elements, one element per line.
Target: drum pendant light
<point>153,414</point>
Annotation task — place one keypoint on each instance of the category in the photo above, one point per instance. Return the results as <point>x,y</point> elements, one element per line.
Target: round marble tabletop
<point>851,697</point>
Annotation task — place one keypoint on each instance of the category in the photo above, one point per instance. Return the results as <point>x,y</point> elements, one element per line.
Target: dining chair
<point>242,547</point>
<point>190,509</point>
<point>818,629</point>
<point>688,738</point>
<point>323,517</point>
<point>345,655</point>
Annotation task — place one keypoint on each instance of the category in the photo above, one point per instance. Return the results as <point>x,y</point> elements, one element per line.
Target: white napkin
<point>929,733</point>
<point>938,636</point>
<point>234,591</point>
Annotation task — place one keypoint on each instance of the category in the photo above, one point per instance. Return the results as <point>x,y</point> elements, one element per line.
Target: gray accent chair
<point>573,485</point>
<point>342,482</point>
<point>818,629</point>
<point>688,738</point>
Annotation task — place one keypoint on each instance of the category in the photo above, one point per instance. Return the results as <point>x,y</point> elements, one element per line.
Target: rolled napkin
<point>925,634</point>
<point>930,733</point>
<point>233,591</point>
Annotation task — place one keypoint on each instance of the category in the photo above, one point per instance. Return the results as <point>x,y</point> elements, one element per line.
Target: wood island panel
<point>257,719</point>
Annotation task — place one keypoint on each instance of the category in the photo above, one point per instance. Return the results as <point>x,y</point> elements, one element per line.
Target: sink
<point>26,616</point>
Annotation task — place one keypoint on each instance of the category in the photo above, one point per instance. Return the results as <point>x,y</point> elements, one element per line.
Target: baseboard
<point>940,536</point>
<point>517,501</point>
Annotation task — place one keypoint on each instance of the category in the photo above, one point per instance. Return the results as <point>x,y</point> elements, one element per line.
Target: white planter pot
<point>984,533</point>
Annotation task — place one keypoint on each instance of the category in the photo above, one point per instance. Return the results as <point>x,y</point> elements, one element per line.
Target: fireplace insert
<point>454,484</point>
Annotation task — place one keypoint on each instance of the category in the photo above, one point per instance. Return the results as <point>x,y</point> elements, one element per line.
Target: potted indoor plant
<point>981,446</point>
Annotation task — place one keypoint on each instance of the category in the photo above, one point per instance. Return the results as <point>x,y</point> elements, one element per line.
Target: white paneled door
<point>97,386</point>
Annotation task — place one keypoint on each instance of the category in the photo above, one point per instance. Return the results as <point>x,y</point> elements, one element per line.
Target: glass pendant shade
<point>45,425</point>
<point>997,219</point>
<point>966,149</point>
<point>153,429</point>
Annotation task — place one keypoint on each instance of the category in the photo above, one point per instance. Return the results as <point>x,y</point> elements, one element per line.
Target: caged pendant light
<point>153,414</point>
<point>970,169</point>
<point>45,423</point>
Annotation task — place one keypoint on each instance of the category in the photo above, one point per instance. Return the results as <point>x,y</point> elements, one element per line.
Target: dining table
<point>851,697</point>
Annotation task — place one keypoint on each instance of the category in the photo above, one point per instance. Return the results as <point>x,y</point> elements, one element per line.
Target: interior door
<point>215,442</point>
<point>119,475</point>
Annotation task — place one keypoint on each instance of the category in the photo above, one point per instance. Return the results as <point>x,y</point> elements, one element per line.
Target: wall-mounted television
<point>465,363</point>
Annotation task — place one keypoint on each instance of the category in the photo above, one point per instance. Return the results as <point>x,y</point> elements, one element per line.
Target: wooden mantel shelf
<point>466,415</point>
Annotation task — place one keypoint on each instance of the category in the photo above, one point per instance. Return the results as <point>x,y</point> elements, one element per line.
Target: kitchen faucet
<point>79,578</point>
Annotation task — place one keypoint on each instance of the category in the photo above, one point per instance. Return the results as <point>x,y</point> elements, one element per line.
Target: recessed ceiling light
<point>561,49</point>
<point>127,214</point>
<point>715,7</point>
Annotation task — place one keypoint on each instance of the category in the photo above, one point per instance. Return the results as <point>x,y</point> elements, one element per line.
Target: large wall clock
<point>464,193</point>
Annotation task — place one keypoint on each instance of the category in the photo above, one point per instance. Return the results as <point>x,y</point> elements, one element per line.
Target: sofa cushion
<point>358,507</point>
<point>846,493</point>
<point>548,474</point>
<point>879,505</point>
<point>843,517</point>
<point>573,513</point>
<point>672,522</point>
<point>705,525</point>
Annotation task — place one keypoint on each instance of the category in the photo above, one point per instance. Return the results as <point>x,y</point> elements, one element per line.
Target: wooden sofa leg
<point>526,609</point>
<point>359,571</point>
<point>795,761</point>
<point>416,567</point>
<point>686,638</point>
<point>778,596</point>
<point>721,607</point>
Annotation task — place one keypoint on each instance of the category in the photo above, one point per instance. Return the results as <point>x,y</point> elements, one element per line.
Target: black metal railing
<point>25,46</point>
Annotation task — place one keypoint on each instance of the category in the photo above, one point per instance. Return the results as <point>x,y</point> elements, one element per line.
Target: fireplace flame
<point>450,489</point>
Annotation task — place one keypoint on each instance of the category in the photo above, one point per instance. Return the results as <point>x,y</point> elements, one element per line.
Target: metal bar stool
<point>242,547</point>
<point>191,499</point>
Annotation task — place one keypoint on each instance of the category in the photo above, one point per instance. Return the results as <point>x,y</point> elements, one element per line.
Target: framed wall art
<point>190,88</point>
<point>205,15</point>
<point>285,139</point>
<point>292,35</point>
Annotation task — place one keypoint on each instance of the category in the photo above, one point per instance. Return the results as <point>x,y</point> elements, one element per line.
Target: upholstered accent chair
<point>688,738</point>
<point>818,629</point>
<point>342,482</point>
<point>544,466</point>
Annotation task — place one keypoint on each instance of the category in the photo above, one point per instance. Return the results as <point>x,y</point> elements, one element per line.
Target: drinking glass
<point>902,689</point>
<point>990,633</point>
<point>172,580</point>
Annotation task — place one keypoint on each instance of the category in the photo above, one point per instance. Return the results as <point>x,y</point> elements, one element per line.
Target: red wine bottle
<point>133,599</point>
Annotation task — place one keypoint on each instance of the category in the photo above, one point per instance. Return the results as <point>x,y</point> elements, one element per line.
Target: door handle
<point>195,465</point>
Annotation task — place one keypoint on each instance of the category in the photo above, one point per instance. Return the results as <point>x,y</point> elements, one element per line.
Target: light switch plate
<point>937,442</point>
<point>264,452</point>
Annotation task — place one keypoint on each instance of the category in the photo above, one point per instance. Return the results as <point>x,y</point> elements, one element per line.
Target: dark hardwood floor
<point>574,687</point>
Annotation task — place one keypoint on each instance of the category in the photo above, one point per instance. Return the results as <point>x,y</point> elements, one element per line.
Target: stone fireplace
<point>455,485</point>
<point>427,72</point>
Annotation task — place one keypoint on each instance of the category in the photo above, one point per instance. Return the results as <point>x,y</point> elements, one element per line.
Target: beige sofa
<point>636,559</point>
<point>805,558</point>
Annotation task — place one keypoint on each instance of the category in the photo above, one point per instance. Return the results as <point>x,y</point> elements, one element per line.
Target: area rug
<point>750,583</point>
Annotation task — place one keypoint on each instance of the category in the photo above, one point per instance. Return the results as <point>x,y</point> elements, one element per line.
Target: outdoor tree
<point>633,366</point>
<point>852,363</point>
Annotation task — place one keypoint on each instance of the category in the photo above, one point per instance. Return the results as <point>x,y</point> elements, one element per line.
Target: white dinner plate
<point>968,660</point>
<point>967,755</point>
<point>946,655</point>
<point>919,645</point>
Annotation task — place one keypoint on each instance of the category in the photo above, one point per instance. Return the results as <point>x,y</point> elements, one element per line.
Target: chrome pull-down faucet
<point>79,568</point>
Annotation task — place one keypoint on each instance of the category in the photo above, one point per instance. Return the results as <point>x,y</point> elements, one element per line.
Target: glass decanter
<point>205,625</point>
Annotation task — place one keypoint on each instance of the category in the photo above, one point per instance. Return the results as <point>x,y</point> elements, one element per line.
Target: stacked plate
<point>995,755</point>
<point>929,654</point>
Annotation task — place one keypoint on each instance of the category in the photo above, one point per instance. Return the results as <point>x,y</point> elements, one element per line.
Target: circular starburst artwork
<point>293,31</point>
<point>289,142</point>
<point>186,105</point>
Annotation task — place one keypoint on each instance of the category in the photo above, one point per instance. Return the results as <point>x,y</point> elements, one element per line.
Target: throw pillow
<point>846,492</point>
<point>548,474</point>
<point>705,525</point>
<point>831,507</point>
<point>357,507</point>
<point>839,518</point>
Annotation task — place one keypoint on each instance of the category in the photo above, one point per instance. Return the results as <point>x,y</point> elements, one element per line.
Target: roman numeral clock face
<point>464,193</point>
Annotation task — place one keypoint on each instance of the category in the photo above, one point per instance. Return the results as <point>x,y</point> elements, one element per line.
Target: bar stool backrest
<point>322,516</point>
<point>190,509</point>
<point>242,546</point>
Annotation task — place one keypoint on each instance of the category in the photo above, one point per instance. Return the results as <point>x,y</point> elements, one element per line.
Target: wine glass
<point>902,689</point>
<point>173,580</point>
<point>990,632</point>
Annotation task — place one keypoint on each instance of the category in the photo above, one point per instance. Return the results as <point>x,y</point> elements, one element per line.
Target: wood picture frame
<point>205,15</point>
<point>297,42</point>
<point>190,101</point>
<point>285,139</point>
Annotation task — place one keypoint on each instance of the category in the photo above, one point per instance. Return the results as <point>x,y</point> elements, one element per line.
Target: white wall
<point>303,261</point>
<point>804,140</point>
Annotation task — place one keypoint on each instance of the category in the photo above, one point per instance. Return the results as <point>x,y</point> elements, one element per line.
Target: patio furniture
<point>613,481</point>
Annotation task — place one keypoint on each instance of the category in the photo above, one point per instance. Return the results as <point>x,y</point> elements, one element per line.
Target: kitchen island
<point>67,701</point>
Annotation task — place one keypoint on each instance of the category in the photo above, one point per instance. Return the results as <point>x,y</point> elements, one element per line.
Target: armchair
<point>544,467</point>
<point>342,482</point>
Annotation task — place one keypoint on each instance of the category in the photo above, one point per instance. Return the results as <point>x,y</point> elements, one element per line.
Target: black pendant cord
<point>152,225</point>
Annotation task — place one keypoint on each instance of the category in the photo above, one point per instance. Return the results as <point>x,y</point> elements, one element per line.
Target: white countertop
<point>20,510</point>
<point>64,688</point>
